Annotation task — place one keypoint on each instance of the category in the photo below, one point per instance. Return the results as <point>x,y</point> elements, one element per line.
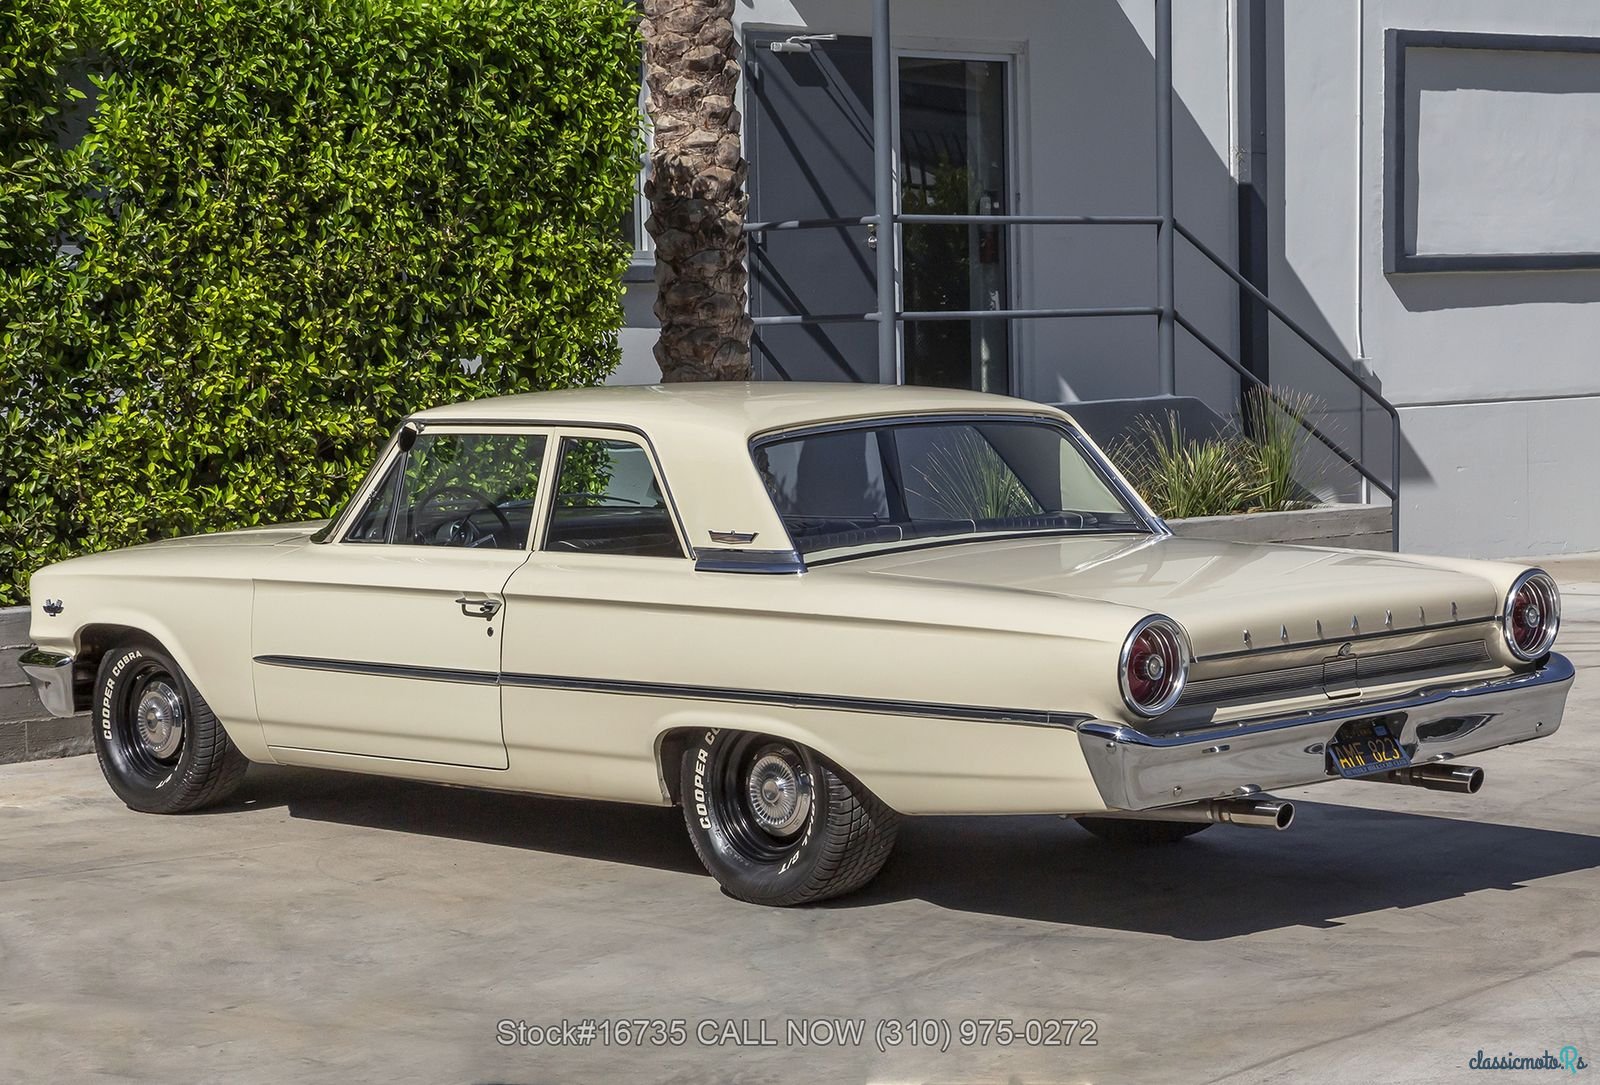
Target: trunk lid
<point>1285,596</point>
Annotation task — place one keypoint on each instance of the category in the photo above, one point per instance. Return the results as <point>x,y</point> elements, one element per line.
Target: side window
<point>372,526</point>
<point>457,489</point>
<point>608,502</point>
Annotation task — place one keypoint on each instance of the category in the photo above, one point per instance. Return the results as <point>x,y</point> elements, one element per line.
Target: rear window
<point>893,483</point>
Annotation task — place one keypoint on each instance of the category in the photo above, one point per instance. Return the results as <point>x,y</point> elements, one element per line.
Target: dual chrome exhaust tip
<point>1268,813</point>
<point>1265,813</point>
<point>1462,779</point>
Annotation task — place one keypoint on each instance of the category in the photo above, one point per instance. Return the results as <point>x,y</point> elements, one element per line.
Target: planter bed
<point>1357,527</point>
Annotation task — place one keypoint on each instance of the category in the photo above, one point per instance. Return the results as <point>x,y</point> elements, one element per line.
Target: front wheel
<point>776,824</point>
<point>160,747</point>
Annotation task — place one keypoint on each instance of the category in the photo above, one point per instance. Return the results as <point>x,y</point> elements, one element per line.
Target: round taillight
<point>1154,665</point>
<point>1532,615</point>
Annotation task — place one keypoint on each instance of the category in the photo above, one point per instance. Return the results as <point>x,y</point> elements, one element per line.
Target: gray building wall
<point>1497,373</point>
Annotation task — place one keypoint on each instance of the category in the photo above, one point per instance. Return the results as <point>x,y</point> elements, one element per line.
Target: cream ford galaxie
<point>799,612</point>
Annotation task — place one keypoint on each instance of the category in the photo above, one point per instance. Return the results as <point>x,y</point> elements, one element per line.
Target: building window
<point>633,228</point>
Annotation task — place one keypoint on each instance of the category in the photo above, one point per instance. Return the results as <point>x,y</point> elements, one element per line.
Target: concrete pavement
<point>337,928</point>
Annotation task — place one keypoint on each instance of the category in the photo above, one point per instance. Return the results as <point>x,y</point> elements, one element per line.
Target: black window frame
<point>391,474</point>
<point>635,439</point>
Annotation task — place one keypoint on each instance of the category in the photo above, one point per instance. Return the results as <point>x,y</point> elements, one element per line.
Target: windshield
<point>907,481</point>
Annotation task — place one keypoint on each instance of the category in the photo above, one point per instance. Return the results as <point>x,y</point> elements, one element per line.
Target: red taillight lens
<point>1154,666</point>
<point>1532,615</point>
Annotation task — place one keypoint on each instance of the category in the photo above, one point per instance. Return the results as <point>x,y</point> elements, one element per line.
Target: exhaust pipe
<point>1462,779</point>
<point>1246,813</point>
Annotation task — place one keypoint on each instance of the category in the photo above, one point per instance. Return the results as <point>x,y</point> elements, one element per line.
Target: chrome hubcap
<point>158,720</point>
<point>779,794</point>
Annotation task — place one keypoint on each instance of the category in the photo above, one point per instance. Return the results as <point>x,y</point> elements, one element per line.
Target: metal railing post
<point>883,193</point>
<point>1166,293</point>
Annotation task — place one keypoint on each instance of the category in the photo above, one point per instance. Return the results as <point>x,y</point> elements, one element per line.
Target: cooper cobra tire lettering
<point>148,773</point>
<point>110,688</point>
<point>844,840</point>
<point>701,759</point>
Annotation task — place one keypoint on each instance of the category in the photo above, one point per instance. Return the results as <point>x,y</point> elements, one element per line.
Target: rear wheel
<point>1138,833</point>
<point>160,747</point>
<point>776,824</point>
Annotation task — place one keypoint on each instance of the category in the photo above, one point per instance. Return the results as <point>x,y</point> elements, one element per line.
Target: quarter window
<point>608,502</point>
<point>456,489</point>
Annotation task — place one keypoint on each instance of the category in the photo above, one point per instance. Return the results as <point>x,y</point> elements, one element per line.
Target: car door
<point>604,588</point>
<point>384,641</point>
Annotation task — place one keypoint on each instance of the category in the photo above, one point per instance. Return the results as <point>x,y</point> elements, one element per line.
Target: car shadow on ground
<point>1336,862</point>
<point>614,832</point>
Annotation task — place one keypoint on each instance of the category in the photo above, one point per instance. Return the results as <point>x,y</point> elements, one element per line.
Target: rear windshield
<point>906,481</point>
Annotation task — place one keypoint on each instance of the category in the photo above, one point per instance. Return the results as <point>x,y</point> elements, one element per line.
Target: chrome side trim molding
<point>51,676</point>
<point>822,702</point>
<point>382,670</point>
<point>748,561</point>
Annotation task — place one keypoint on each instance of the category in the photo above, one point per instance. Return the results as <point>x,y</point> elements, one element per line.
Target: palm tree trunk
<point>696,190</point>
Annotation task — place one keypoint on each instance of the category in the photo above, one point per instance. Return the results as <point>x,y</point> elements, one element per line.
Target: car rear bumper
<point>50,674</point>
<point>1136,771</point>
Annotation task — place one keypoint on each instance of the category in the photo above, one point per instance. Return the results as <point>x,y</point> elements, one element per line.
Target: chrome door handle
<point>479,608</point>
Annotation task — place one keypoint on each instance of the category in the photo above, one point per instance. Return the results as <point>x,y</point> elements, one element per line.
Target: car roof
<point>701,435</point>
<point>748,408</point>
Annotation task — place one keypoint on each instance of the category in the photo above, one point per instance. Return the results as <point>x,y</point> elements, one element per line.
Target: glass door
<point>955,160</point>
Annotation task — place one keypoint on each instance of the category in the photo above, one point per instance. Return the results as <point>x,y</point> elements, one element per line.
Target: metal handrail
<point>1392,490</point>
<point>1032,220</point>
<point>1289,322</point>
<point>969,220</point>
<point>1389,488</point>
<point>1288,408</point>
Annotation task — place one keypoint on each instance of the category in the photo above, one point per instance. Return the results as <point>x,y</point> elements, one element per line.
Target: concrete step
<point>36,739</point>
<point>17,701</point>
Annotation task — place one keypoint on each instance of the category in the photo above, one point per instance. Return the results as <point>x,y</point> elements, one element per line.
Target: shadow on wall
<point>1349,416</point>
<point>1466,290</point>
<point>1232,881</point>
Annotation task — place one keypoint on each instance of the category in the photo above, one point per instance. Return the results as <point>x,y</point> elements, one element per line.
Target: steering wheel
<point>461,526</point>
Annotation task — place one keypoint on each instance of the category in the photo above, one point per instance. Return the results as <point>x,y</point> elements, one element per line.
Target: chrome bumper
<point>50,674</point>
<point>1136,771</point>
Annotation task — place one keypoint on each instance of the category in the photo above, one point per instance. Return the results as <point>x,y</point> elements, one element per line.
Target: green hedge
<point>240,238</point>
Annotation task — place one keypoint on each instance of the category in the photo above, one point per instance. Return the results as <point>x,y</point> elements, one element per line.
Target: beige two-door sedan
<point>799,612</point>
